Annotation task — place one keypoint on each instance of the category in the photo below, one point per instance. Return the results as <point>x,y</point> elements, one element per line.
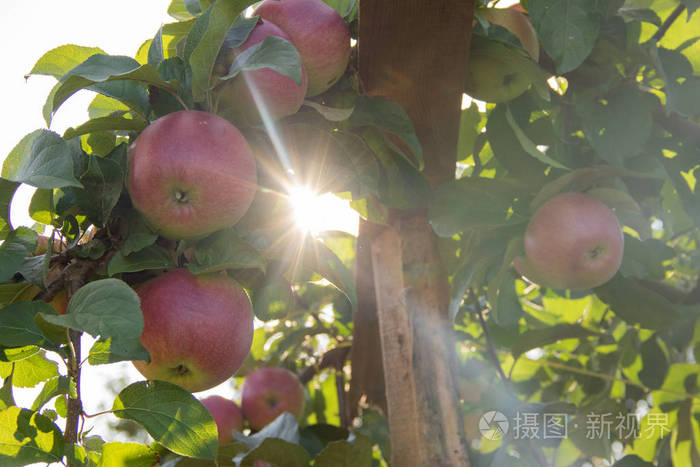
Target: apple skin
<point>198,329</point>
<point>226,414</point>
<point>268,392</point>
<point>279,94</point>
<point>60,302</point>
<point>191,173</point>
<point>492,79</point>
<point>573,241</point>
<point>320,35</point>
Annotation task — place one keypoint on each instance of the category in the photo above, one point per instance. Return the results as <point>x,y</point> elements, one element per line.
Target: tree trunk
<point>415,53</point>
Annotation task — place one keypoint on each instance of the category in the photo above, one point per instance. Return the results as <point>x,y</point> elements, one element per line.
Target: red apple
<point>191,173</point>
<point>252,94</point>
<point>227,415</point>
<point>268,392</point>
<point>198,329</point>
<point>573,241</point>
<point>318,32</point>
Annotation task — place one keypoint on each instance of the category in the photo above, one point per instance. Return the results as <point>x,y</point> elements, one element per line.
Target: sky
<point>28,29</point>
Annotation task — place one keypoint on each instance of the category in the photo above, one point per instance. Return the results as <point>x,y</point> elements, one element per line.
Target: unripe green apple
<point>573,241</point>
<point>251,94</point>
<point>320,35</point>
<point>198,329</point>
<point>226,414</point>
<point>494,73</point>
<point>191,173</point>
<point>268,392</point>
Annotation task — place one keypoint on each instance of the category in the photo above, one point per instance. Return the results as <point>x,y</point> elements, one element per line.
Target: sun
<point>314,213</point>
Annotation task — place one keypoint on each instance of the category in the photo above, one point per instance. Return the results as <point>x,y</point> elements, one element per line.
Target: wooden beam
<point>415,52</point>
<point>396,333</point>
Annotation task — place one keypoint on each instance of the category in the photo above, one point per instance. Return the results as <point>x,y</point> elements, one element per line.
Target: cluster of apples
<point>267,393</point>
<point>191,173</point>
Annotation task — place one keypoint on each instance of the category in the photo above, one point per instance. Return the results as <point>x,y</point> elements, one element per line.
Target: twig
<point>490,348</point>
<point>659,34</point>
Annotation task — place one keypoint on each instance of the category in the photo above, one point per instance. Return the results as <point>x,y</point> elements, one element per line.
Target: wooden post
<point>415,52</point>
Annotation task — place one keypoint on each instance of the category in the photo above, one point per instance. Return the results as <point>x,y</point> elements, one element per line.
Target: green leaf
<point>501,294</point>
<point>655,363</point>
<point>20,152</point>
<point>13,292</point>
<point>568,30</point>
<point>104,351</point>
<point>105,308</point>
<point>468,131</point>
<point>273,300</point>
<point>103,182</point>
<point>108,123</point>
<point>284,427</point>
<point>646,15</point>
<point>473,203</point>
<point>45,163</point>
<point>239,32</point>
<point>41,206</point>
<point>541,337</point>
<point>155,51</point>
<point>171,415</point>
<point>273,52</point>
<point>682,87</point>
<point>33,370</point>
<point>332,114</point>
<point>150,257</point>
<point>691,6</point>
<point>20,243</point>
<point>644,259</point>
<point>321,259</point>
<point>355,452</point>
<point>17,325</point>
<point>179,11</point>
<point>618,125</point>
<point>637,304</point>
<point>389,116</point>
<point>205,39</point>
<point>279,453</point>
<point>59,61</point>
<point>6,397</point>
<point>104,106</point>
<point>127,455</point>
<point>529,146</point>
<point>222,250</point>
<point>27,437</point>
<point>116,76</point>
<point>12,354</point>
<point>344,7</point>
<point>316,437</point>
<point>7,192</point>
<point>632,460</point>
<point>54,387</point>
<point>138,241</point>
<point>403,186</point>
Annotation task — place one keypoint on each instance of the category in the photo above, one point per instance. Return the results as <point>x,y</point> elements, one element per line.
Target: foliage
<point>618,119</point>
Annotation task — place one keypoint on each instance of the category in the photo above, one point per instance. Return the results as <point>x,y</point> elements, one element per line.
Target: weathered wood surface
<point>415,53</point>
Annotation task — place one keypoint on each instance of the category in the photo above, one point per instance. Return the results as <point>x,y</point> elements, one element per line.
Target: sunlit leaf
<point>171,415</point>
